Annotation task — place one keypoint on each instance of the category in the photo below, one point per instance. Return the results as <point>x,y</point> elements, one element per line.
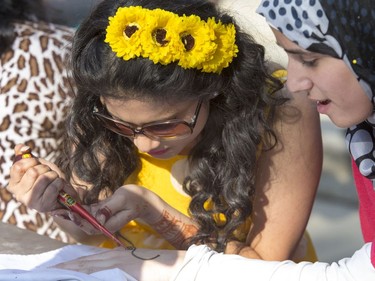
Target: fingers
<point>24,174</point>
<point>19,169</point>
<point>38,189</point>
<point>22,156</point>
<point>114,218</point>
<point>106,210</point>
<point>20,149</point>
<point>101,211</point>
<point>23,152</point>
<point>33,183</point>
<point>104,213</point>
<point>127,203</point>
<point>49,194</point>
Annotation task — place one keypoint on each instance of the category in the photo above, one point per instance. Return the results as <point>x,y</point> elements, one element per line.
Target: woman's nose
<point>144,143</point>
<point>298,79</point>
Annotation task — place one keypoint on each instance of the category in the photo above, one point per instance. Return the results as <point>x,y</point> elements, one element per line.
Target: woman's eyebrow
<point>297,52</point>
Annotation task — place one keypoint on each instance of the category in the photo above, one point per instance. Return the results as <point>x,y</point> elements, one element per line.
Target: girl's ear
<point>102,100</point>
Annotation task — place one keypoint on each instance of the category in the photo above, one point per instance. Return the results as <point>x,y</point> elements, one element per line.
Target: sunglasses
<point>167,130</point>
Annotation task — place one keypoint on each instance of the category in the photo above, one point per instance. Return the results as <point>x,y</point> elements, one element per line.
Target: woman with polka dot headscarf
<point>330,45</point>
<point>331,60</point>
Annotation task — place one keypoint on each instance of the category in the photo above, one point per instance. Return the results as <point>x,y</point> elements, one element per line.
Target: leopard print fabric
<point>34,97</point>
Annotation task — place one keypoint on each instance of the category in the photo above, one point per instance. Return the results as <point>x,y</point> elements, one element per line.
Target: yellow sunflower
<point>124,32</point>
<point>165,37</point>
<point>198,42</point>
<point>160,42</point>
<point>226,47</point>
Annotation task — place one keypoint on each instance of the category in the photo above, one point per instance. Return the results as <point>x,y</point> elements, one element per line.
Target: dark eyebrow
<point>297,52</point>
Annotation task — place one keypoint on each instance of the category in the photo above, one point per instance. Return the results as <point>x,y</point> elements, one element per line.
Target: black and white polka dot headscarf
<point>344,29</point>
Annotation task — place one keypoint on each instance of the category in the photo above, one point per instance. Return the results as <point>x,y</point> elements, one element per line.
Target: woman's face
<point>328,82</point>
<point>139,113</point>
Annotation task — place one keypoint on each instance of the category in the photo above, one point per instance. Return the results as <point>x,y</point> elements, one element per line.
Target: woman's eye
<point>308,62</point>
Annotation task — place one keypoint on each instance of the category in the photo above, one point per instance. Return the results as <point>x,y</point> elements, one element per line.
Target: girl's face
<point>139,113</point>
<point>328,82</point>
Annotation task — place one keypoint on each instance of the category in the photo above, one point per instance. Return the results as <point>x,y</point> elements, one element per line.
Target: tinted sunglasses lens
<point>115,127</point>
<point>171,130</point>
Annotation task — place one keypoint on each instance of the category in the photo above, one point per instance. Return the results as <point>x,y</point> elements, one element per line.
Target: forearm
<point>201,263</point>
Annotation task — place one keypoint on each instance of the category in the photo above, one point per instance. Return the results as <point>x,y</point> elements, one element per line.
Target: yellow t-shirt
<point>164,177</point>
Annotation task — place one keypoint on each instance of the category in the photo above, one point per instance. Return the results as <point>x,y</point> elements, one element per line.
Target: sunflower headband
<point>164,37</point>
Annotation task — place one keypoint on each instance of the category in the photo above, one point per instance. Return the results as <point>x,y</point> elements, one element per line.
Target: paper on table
<point>35,267</point>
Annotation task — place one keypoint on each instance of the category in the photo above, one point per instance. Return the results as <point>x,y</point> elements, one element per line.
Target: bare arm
<point>287,180</point>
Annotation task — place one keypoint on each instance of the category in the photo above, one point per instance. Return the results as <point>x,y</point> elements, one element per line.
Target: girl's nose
<point>298,79</point>
<point>144,143</point>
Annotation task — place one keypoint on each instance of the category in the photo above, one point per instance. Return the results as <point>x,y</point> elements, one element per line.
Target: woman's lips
<point>323,102</point>
<point>323,106</point>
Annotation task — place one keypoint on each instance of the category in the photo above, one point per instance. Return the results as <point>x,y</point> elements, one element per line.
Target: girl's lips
<point>158,152</point>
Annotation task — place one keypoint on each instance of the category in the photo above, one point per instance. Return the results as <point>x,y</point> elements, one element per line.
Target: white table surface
<point>14,240</point>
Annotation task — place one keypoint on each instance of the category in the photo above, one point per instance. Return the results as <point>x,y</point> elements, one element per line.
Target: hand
<point>161,268</point>
<point>240,248</point>
<point>127,203</point>
<point>131,202</point>
<point>37,183</point>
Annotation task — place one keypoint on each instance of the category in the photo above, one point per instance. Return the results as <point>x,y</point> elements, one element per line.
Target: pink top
<point>366,196</point>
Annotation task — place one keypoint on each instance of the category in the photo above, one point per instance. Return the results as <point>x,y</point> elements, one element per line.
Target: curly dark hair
<point>223,164</point>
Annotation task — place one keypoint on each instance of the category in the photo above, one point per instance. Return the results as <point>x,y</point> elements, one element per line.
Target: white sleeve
<point>203,264</point>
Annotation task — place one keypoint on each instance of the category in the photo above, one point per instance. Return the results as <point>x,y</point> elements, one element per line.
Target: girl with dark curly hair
<point>180,132</point>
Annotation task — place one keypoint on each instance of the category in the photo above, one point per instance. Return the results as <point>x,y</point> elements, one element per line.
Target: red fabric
<point>366,196</point>
<point>373,253</point>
